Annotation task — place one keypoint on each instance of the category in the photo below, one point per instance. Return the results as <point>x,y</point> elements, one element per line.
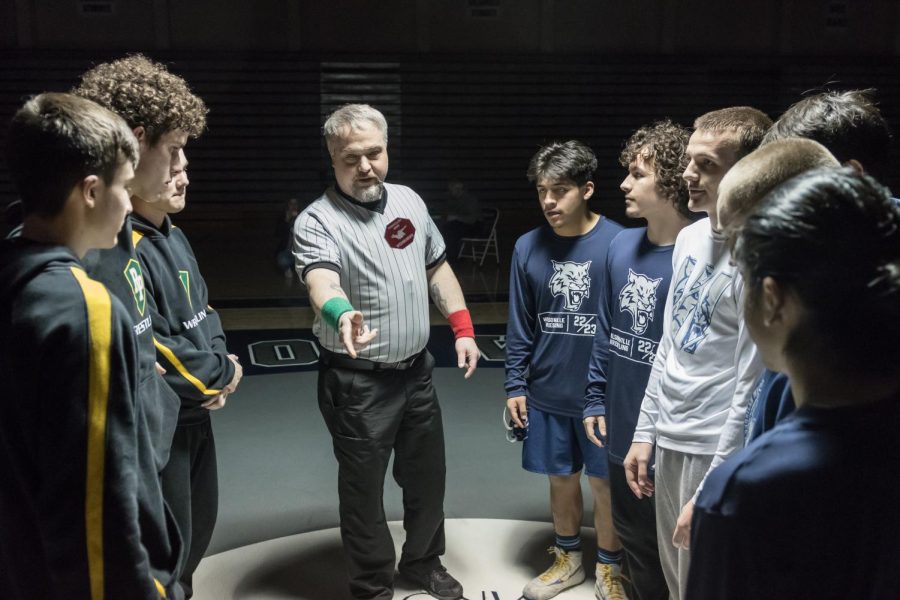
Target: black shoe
<point>437,582</point>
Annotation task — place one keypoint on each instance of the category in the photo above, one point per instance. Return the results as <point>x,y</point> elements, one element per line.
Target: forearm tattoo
<point>439,299</point>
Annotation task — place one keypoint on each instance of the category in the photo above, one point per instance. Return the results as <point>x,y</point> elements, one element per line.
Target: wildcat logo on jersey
<point>135,277</point>
<point>185,278</point>
<point>638,298</point>
<point>572,281</point>
<point>693,306</point>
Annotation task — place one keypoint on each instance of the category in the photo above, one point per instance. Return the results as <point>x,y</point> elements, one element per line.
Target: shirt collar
<point>377,206</point>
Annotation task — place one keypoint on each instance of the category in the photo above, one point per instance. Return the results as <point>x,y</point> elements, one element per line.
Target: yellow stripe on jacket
<point>137,236</point>
<point>99,313</point>
<point>170,356</point>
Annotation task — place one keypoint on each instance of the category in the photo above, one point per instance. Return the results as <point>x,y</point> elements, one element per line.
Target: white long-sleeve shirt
<point>706,365</point>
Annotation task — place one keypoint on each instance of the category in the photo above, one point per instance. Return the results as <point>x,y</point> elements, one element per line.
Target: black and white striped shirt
<point>381,251</point>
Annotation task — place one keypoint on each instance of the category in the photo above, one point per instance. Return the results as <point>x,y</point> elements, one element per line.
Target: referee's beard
<point>369,194</point>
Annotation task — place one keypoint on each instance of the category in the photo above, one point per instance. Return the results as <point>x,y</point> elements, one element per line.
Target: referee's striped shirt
<point>381,251</point>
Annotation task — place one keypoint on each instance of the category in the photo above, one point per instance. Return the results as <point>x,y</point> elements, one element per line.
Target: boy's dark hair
<point>145,94</point>
<point>56,140</point>
<point>831,236</point>
<point>848,123</point>
<point>662,145</point>
<point>748,124</point>
<point>560,161</point>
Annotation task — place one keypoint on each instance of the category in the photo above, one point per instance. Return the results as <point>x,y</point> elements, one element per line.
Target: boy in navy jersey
<point>555,291</point>
<point>636,278</point>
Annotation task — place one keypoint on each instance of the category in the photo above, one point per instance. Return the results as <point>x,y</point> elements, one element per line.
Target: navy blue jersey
<point>637,276</point>
<point>554,297</point>
<point>771,402</point>
<point>807,510</point>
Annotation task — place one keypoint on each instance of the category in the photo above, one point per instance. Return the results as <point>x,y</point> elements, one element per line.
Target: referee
<point>369,254</point>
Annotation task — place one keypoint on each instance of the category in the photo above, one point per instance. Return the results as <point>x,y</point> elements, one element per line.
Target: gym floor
<point>278,506</point>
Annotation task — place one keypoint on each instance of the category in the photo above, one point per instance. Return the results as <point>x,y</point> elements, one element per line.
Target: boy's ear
<point>588,189</point>
<point>141,134</point>
<point>88,189</point>
<point>857,166</point>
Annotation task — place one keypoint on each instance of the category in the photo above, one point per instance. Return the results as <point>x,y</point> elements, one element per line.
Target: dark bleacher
<point>479,118</point>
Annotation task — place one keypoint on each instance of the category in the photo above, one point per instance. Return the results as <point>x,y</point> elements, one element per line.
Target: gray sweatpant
<point>677,477</point>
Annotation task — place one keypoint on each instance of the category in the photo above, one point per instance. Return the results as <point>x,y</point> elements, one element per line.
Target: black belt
<point>342,361</point>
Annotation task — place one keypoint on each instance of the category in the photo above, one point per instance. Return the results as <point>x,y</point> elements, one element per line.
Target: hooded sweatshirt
<point>119,269</point>
<point>190,343</point>
<point>78,516</point>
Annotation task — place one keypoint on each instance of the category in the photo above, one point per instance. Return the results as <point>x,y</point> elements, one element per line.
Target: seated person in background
<point>284,233</point>
<point>794,515</point>
<point>461,218</point>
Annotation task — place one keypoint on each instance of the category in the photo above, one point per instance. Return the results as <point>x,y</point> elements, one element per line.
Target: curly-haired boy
<point>637,274</point>
<point>154,272</point>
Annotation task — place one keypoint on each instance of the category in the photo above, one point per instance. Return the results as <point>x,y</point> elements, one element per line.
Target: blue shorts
<point>557,445</point>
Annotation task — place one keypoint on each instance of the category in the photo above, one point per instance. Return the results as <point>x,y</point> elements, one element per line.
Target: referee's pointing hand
<point>355,335</point>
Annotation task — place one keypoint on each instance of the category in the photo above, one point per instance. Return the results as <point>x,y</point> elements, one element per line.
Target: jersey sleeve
<point>90,530</point>
<point>435,248</point>
<point>519,329</point>
<point>217,334</point>
<point>314,245</point>
<point>595,392</point>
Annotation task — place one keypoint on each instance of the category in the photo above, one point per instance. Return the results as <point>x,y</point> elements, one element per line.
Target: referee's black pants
<point>369,414</point>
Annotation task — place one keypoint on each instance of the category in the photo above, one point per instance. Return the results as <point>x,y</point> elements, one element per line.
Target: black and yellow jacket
<point>190,343</point>
<point>71,524</point>
<point>120,271</point>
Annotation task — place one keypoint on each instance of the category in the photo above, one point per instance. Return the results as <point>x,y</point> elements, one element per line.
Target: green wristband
<point>333,309</point>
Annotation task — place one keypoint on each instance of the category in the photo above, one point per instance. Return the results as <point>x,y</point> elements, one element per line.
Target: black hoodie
<point>120,271</point>
<point>77,519</point>
<point>188,334</point>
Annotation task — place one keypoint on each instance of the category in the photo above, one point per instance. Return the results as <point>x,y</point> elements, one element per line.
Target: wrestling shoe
<point>565,572</point>
<point>437,582</point>
<point>609,583</point>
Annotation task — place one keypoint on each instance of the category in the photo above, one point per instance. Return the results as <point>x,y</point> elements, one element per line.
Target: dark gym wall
<point>759,27</point>
<point>471,88</point>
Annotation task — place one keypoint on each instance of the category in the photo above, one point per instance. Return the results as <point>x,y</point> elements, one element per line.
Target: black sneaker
<point>437,582</point>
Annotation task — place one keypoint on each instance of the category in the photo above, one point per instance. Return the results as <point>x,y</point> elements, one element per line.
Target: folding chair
<point>482,246</point>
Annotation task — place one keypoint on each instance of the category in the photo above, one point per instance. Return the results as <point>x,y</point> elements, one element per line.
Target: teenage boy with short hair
<point>706,365</point>
<point>76,521</point>
<point>554,299</point>
<point>636,277</point>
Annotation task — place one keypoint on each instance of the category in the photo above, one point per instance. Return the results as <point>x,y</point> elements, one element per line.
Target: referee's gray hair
<point>352,116</point>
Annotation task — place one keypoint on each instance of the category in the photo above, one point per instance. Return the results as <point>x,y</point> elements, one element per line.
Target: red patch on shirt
<point>400,233</point>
